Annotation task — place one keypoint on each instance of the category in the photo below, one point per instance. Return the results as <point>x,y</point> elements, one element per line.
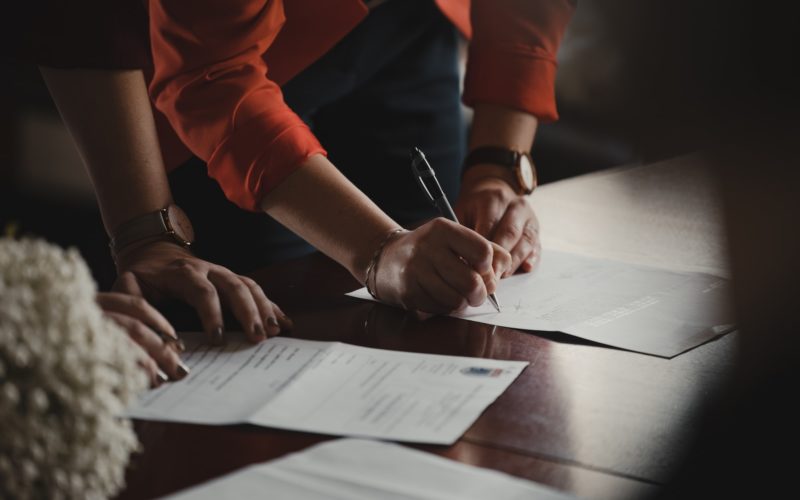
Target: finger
<point>510,229</point>
<point>523,250</point>
<point>283,320</point>
<point>460,278</point>
<point>136,307</point>
<point>501,260</point>
<point>143,360</point>
<point>268,309</point>
<point>149,366</point>
<point>533,260</point>
<point>488,215</point>
<point>194,287</point>
<point>239,298</point>
<point>427,301</point>
<point>166,358</point>
<point>127,283</point>
<point>465,243</point>
<point>444,294</point>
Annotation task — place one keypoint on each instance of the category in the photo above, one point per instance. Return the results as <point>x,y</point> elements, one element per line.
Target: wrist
<point>146,249</point>
<point>520,172</point>
<point>487,173</point>
<point>169,224</point>
<point>370,280</point>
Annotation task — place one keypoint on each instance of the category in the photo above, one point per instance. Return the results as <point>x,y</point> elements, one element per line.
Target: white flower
<point>66,373</point>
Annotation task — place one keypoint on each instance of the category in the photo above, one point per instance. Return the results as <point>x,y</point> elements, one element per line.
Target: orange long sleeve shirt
<point>219,65</point>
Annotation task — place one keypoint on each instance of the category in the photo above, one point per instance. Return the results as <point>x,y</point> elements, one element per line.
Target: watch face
<point>179,223</point>
<point>526,173</point>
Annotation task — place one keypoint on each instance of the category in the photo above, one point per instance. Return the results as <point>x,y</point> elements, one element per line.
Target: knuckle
<point>183,263</point>
<point>205,290</point>
<point>529,234</point>
<point>138,332</point>
<point>137,302</point>
<point>511,230</point>
<point>485,250</point>
<point>439,224</point>
<point>250,282</point>
<point>239,288</point>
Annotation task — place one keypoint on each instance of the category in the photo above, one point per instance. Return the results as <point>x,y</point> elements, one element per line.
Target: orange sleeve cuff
<point>517,78</point>
<point>247,168</point>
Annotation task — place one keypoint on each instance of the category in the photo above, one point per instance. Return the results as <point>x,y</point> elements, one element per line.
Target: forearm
<point>499,126</point>
<point>318,203</point>
<point>109,117</point>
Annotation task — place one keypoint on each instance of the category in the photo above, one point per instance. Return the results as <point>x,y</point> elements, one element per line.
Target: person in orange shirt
<point>244,83</point>
<point>256,88</point>
<point>92,72</point>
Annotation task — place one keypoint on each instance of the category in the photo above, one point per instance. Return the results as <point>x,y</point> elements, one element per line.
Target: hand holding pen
<point>438,267</point>
<point>426,178</point>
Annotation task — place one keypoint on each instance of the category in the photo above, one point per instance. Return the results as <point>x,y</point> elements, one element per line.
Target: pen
<point>422,170</point>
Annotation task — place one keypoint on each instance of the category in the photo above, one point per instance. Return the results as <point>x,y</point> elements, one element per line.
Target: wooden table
<point>595,421</point>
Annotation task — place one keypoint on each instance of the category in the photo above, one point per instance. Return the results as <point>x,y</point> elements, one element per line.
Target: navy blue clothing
<point>389,85</point>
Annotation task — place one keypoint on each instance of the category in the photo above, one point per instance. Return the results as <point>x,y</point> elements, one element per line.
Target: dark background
<point>639,81</point>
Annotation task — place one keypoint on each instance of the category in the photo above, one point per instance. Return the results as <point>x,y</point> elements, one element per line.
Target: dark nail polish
<point>288,321</point>
<point>182,370</point>
<point>272,321</point>
<point>216,336</point>
<point>171,340</point>
<point>162,377</point>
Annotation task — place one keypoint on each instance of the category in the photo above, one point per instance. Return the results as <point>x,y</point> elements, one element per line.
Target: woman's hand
<point>159,270</point>
<point>141,321</point>
<point>491,207</point>
<point>439,267</point>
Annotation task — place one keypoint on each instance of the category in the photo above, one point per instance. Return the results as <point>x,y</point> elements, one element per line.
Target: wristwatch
<point>168,224</point>
<point>518,161</point>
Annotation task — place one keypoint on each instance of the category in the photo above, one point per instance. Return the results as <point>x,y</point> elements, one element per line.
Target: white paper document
<point>634,307</point>
<point>359,469</point>
<point>331,388</point>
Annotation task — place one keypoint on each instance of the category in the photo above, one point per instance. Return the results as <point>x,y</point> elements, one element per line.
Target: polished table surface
<point>595,421</point>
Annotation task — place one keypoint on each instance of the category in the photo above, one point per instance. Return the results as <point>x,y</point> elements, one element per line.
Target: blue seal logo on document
<point>482,371</point>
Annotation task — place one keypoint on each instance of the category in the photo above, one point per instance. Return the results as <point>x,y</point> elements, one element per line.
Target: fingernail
<point>217,337</point>
<point>182,370</point>
<point>288,321</point>
<point>162,377</point>
<point>172,341</point>
<point>272,321</point>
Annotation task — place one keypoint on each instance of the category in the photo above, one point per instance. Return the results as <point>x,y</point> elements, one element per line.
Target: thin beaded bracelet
<point>372,268</point>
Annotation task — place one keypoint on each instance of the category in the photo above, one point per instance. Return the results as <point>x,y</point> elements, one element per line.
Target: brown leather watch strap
<point>151,226</point>
<point>492,154</point>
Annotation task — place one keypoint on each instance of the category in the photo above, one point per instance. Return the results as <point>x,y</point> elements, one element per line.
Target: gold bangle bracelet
<point>373,263</point>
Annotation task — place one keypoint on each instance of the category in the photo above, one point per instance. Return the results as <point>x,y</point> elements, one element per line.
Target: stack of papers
<point>331,388</point>
<point>356,469</point>
<point>634,307</point>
